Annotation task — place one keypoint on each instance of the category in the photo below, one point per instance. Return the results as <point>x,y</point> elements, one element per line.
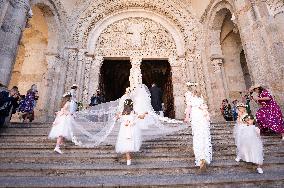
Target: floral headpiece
<point>248,117</point>
<point>128,102</point>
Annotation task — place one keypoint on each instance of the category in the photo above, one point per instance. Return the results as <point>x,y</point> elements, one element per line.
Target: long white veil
<point>98,125</point>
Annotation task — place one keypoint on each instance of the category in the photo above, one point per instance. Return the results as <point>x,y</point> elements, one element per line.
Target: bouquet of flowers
<point>79,106</point>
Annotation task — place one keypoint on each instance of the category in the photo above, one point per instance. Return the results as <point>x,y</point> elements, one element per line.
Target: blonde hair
<point>65,99</point>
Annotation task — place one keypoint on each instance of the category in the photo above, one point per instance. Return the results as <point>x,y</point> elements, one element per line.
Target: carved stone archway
<point>138,34</point>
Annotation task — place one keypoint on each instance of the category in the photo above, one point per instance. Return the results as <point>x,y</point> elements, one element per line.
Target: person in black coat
<point>97,99</point>
<point>156,98</point>
<point>8,100</point>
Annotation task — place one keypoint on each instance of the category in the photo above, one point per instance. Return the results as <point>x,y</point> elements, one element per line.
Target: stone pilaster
<point>94,75</point>
<point>80,72</point>
<point>135,77</point>
<point>218,86</point>
<point>10,34</point>
<point>52,83</point>
<point>88,64</point>
<point>71,68</point>
<point>179,78</point>
<point>271,32</point>
<point>3,9</point>
<point>253,43</point>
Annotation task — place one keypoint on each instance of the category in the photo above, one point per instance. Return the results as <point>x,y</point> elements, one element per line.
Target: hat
<point>241,105</point>
<point>254,87</point>
<point>67,94</point>
<point>74,85</point>
<point>191,83</point>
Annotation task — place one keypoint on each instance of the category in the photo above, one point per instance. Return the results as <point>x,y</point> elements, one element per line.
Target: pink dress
<point>270,115</point>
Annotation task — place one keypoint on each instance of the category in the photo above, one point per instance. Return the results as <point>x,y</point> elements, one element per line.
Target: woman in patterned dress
<point>28,104</point>
<point>269,114</point>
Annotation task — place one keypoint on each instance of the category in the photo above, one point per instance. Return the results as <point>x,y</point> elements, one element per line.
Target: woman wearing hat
<point>269,115</point>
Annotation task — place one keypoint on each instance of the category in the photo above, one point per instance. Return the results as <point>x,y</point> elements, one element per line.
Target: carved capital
<point>136,61</point>
<point>173,60</point>
<point>99,60</point>
<point>217,64</point>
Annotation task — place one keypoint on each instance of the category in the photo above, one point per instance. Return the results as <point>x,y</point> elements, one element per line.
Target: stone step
<point>97,169</point>
<point>166,140</point>
<point>147,147</point>
<point>113,157</point>
<point>213,180</point>
<point>27,160</point>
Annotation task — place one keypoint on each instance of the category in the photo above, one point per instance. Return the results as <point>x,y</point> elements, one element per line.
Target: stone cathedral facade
<point>224,45</point>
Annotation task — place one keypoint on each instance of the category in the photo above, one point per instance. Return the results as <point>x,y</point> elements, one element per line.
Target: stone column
<point>10,34</point>
<point>71,68</point>
<point>135,77</point>
<point>3,9</point>
<point>253,43</point>
<point>179,79</point>
<point>218,86</point>
<point>272,33</point>
<point>94,75</point>
<point>61,71</point>
<point>80,72</point>
<point>88,63</point>
<point>52,82</point>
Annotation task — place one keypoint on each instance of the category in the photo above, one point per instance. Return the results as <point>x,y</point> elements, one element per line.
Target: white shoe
<point>259,170</point>
<point>57,149</point>
<point>238,159</point>
<point>128,162</point>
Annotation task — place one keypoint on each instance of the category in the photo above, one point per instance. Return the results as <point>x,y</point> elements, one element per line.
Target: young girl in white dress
<point>129,136</point>
<point>250,146</point>
<point>240,124</point>
<point>200,122</point>
<point>63,123</point>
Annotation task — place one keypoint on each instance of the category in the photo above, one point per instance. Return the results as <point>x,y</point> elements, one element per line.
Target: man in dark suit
<point>97,99</point>
<point>8,101</point>
<point>156,98</point>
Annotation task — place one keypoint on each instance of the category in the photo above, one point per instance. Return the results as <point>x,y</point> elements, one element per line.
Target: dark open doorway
<point>114,78</point>
<point>159,72</point>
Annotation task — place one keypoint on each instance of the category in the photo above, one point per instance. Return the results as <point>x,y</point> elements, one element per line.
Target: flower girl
<point>62,125</point>
<point>129,136</point>
<point>200,122</point>
<point>240,124</point>
<point>250,146</point>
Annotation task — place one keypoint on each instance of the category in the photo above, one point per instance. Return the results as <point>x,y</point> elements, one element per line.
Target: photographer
<point>8,101</point>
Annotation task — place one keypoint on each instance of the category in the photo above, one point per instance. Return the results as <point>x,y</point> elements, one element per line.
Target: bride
<point>98,125</point>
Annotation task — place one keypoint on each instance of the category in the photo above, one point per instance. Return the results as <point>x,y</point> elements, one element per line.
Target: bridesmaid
<point>269,115</point>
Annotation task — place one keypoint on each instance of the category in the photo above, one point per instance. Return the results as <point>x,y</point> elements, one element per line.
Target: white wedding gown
<point>98,125</point>
<point>200,123</point>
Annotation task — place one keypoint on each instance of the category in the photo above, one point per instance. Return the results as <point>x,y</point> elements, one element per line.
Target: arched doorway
<point>114,78</point>
<point>31,66</point>
<point>159,72</point>
<point>237,74</point>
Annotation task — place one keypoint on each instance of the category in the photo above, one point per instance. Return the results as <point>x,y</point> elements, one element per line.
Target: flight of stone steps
<point>27,160</point>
